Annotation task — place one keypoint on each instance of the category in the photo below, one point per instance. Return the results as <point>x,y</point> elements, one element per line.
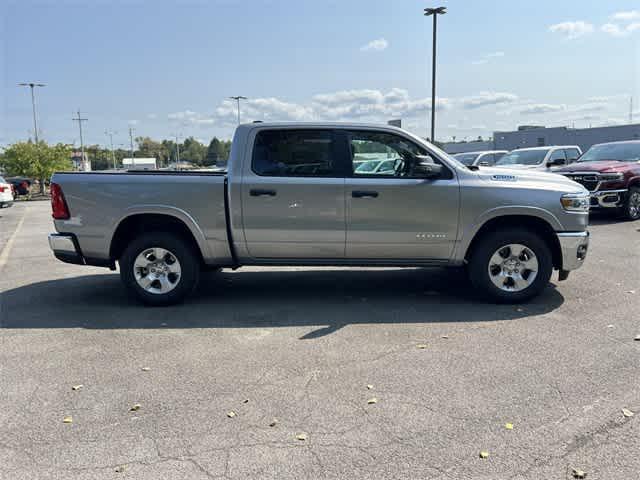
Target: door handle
<point>259,192</point>
<point>364,193</point>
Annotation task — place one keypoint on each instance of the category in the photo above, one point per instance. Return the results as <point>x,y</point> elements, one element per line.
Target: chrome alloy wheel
<point>634,204</point>
<point>513,268</point>
<point>157,270</point>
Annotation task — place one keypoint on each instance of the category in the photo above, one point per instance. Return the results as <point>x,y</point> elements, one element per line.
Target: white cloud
<point>152,116</point>
<point>626,16</point>
<point>572,29</point>
<point>617,30</point>
<point>487,98</point>
<point>486,57</point>
<point>375,45</point>
<point>133,122</point>
<point>539,108</point>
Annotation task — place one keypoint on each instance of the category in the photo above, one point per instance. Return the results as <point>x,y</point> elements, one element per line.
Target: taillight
<point>2,189</point>
<point>58,203</point>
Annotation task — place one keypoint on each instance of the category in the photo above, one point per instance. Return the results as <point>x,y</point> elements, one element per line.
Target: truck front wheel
<point>159,268</point>
<point>631,209</point>
<point>510,266</point>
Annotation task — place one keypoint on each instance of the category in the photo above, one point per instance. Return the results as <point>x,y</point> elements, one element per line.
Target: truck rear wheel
<point>159,268</point>
<point>510,266</point>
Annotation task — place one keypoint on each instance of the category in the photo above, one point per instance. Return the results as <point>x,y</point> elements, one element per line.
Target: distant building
<point>80,163</point>
<point>464,147</point>
<point>538,136</point>
<point>139,163</point>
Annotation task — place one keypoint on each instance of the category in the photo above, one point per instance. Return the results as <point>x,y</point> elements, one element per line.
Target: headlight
<point>611,177</point>
<point>575,202</point>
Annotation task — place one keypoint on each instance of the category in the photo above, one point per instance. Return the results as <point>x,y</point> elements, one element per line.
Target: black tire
<point>188,260</point>
<point>631,210</point>
<point>490,243</point>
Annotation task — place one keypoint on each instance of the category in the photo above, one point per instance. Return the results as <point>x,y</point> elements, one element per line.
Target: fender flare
<point>469,234</point>
<point>169,211</point>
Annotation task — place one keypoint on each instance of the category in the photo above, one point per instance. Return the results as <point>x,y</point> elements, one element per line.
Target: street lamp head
<point>31,84</point>
<point>435,11</point>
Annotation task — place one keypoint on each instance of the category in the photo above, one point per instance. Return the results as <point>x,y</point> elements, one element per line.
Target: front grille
<point>589,181</point>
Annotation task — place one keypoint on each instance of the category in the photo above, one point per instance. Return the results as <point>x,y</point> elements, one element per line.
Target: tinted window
<point>385,154</point>
<point>294,153</point>
<point>558,155</point>
<point>572,154</point>
<point>523,157</point>
<point>622,152</point>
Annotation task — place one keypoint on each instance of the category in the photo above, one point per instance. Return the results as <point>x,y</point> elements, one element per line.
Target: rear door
<point>393,214</point>
<point>293,195</point>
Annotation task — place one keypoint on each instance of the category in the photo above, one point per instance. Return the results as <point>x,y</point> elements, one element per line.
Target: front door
<point>392,213</point>
<point>293,196</point>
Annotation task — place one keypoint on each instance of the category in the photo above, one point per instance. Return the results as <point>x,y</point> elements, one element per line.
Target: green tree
<point>39,161</point>
<point>193,151</point>
<point>215,152</point>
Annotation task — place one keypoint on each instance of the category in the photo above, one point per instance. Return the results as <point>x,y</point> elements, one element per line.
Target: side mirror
<point>426,167</point>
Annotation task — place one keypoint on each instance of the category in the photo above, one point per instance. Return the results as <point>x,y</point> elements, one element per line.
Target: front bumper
<point>574,246</point>
<point>65,248</point>
<point>608,198</point>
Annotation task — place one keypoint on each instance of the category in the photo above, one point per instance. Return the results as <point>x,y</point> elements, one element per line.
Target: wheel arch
<point>533,223</point>
<point>138,222</point>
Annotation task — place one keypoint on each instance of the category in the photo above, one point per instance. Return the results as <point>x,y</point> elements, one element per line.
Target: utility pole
<point>177,151</point>
<point>427,13</point>
<point>32,85</point>
<point>237,99</point>
<point>80,120</point>
<point>133,158</point>
<point>113,155</point>
<point>631,109</point>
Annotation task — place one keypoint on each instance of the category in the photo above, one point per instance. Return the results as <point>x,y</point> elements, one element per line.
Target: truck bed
<point>100,202</point>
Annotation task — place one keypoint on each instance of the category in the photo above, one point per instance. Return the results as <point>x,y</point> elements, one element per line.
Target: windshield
<point>523,157</point>
<point>621,152</point>
<point>466,158</point>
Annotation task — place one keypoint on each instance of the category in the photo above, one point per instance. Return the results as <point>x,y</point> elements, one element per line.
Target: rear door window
<point>295,153</point>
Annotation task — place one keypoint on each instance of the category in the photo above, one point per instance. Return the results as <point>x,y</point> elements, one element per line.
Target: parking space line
<point>4,256</point>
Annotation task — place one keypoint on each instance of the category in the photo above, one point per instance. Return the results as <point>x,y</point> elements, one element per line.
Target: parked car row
<point>610,171</point>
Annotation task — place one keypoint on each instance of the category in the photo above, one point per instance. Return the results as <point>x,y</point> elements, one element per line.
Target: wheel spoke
<point>157,270</point>
<point>146,281</point>
<point>141,261</point>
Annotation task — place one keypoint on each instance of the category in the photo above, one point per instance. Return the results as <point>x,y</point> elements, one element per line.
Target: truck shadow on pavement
<point>328,299</point>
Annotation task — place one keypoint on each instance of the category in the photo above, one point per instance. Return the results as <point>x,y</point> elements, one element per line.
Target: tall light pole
<point>80,120</point>
<point>177,150</point>
<point>32,85</point>
<point>133,158</point>
<point>237,99</point>
<point>113,155</point>
<point>428,12</point>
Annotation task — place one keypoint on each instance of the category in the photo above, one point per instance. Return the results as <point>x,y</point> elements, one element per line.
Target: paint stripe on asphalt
<point>4,256</point>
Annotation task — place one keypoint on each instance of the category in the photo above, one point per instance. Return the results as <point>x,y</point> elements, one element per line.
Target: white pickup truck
<point>294,195</point>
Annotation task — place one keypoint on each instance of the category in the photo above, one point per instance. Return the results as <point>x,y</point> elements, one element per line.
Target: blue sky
<point>168,66</point>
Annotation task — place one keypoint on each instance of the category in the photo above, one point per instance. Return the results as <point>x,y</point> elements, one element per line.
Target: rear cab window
<point>295,153</point>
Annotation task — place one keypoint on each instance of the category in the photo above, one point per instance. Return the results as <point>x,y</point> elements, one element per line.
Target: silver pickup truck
<point>298,194</point>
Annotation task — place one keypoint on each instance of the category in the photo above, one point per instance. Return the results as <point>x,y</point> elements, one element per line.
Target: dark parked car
<point>21,185</point>
<point>611,172</point>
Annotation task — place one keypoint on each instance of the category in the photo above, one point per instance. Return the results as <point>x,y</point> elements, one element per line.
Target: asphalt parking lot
<point>292,352</point>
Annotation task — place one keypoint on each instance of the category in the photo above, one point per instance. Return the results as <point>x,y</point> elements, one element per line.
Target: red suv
<point>611,172</point>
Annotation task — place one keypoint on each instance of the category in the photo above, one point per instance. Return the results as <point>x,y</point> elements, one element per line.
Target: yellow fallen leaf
<point>273,422</point>
<point>421,346</point>
<point>231,414</point>
<point>371,401</point>
<point>369,387</point>
<point>77,387</point>
<point>627,413</point>
<point>145,369</point>
<point>67,419</point>
<point>508,426</point>
<point>577,473</point>
<point>135,407</point>
<point>301,436</point>
<point>484,454</point>
<point>445,336</point>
